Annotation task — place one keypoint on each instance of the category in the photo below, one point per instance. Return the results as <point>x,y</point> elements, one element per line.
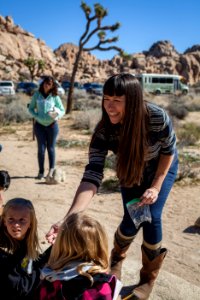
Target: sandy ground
<point>180,276</point>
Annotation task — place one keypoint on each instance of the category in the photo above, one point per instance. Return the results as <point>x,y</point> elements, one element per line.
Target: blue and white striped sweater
<point>162,140</point>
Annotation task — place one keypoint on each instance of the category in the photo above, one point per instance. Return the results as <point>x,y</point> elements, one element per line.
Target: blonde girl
<point>78,264</point>
<point>20,262</point>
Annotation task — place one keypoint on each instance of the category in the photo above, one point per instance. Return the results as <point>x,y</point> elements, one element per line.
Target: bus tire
<point>157,92</point>
<point>184,92</point>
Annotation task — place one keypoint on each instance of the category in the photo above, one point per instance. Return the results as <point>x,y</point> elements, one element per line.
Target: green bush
<point>110,185</point>
<point>110,162</point>
<point>71,143</point>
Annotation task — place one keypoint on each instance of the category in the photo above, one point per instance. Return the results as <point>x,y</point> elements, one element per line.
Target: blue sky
<point>143,22</point>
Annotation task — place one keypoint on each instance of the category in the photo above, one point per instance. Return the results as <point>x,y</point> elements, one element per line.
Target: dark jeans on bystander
<point>46,139</point>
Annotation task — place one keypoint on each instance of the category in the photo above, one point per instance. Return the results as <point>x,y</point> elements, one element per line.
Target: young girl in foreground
<point>78,264</point>
<point>20,262</point>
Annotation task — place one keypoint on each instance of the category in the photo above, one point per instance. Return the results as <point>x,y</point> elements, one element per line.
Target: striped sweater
<point>162,140</point>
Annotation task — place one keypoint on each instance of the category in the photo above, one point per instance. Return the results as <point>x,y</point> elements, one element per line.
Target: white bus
<point>162,83</point>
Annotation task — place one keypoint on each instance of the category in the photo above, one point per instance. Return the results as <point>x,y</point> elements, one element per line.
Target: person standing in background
<point>46,108</point>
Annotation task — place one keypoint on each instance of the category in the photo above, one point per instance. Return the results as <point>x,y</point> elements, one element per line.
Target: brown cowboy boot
<point>148,274</point>
<point>118,253</point>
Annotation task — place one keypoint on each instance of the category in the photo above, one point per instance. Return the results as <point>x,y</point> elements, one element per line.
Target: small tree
<point>99,14</point>
<point>35,66</point>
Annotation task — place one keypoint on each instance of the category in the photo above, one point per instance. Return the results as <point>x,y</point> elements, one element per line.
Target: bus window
<point>155,80</point>
<point>169,80</point>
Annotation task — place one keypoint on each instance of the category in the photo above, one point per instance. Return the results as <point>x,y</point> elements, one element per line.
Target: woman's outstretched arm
<point>82,199</point>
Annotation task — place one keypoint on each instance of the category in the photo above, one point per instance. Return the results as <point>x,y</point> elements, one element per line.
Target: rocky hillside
<point>16,44</point>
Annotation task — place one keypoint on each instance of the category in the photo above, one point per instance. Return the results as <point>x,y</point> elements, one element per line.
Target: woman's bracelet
<point>154,187</point>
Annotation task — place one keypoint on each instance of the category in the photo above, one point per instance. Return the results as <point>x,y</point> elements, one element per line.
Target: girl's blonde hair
<point>7,242</point>
<point>80,238</point>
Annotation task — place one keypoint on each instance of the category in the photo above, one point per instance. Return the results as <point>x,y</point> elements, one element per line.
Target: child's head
<point>18,222</point>
<point>4,180</point>
<point>80,238</point>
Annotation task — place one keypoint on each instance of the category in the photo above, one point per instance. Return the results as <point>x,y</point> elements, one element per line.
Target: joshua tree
<point>36,67</point>
<point>99,13</point>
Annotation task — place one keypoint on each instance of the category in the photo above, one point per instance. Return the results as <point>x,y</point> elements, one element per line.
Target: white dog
<point>58,176</point>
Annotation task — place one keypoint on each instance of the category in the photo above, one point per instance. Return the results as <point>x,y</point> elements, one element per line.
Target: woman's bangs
<point>114,87</point>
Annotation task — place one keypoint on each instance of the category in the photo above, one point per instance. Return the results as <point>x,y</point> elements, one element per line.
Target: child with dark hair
<point>4,185</point>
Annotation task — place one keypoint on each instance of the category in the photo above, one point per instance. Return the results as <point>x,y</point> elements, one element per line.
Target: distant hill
<point>16,44</point>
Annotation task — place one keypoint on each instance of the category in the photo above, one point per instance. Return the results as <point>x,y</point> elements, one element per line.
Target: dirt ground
<point>180,276</point>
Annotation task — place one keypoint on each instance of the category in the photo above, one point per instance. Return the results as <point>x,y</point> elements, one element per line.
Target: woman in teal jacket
<point>46,108</point>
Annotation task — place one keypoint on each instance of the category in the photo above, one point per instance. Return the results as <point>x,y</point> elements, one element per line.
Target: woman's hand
<point>53,114</point>
<point>52,233</point>
<point>149,197</point>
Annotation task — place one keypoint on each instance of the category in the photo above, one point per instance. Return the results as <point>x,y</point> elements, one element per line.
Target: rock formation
<point>16,44</point>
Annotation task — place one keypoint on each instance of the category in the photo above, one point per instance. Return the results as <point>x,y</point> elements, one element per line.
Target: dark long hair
<point>133,134</point>
<point>48,79</point>
<point>4,180</point>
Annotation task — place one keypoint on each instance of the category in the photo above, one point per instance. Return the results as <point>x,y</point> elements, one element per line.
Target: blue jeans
<point>46,138</point>
<point>152,232</point>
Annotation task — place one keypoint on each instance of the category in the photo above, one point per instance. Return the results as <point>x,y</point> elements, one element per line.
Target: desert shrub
<point>81,121</point>
<point>82,104</point>
<point>110,162</point>
<point>6,130</point>
<point>178,110</point>
<point>71,143</point>
<point>83,100</point>
<point>79,97</point>
<point>189,134</point>
<point>185,171</point>
<point>14,112</point>
<point>197,84</point>
<point>5,100</point>
<point>190,101</point>
<point>110,185</point>
<point>188,165</point>
<point>193,103</point>
<point>189,158</point>
<point>194,106</point>
<point>14,109</point>
<point>196,87</point>
<point>162,100</point>
<point>86,119</point>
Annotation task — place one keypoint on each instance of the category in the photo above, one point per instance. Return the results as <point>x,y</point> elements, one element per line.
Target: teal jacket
<point>41,108</point>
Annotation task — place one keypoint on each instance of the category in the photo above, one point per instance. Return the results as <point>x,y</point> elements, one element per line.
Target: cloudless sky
<point>143,22</point>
